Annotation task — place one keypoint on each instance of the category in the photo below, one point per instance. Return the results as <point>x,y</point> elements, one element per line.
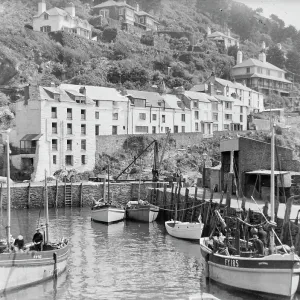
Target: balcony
<point>27,150</point>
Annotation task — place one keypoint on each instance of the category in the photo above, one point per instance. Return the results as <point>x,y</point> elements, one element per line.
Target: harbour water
<point>126,260</point>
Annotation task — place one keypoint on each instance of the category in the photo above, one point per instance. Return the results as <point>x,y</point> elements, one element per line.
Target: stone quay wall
<point>32,196</point>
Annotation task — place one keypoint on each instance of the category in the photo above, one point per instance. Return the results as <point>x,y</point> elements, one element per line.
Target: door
<point>115,130</point>
<point>175,129</point>
<point>153,129</point>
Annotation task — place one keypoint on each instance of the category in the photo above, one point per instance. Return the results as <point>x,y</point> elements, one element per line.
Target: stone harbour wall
<point>32,196</point>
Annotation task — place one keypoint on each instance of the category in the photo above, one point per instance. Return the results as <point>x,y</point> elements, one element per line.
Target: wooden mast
<point>8,192</point>
<point>46,209</point>
<point>272,198</point>
<point>108,184</point>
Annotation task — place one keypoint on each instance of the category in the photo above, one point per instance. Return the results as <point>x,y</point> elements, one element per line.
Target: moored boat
<point>107,213</point>
<point>25,267</point>
<point>184,230</point>
<point>141,211</point>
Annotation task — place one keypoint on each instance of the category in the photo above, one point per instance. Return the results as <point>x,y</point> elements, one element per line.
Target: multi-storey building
<point>125,14</point>
<point>225,39</point>
<point>56,19</point>
<point>260,75</point>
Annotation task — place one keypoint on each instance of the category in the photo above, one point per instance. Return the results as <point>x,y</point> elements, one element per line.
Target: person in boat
<point>258,245</point>
<point>262,235</point>
<point>37,240</point>
<point>19,244</point>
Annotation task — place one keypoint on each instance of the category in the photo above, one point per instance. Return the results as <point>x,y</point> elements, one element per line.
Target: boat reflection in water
<point>54,289</point>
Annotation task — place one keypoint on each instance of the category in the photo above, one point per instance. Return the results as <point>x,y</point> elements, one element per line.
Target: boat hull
<point>273,274</point>
<point>184,230</point>
<point>18,270</point>
<point>108,214</point>
<point>145,213</point>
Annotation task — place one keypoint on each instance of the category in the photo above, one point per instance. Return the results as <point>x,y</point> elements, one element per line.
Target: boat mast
<point>139,194</point>
<point>108,184</point>
<point>272,198</point>
<point>46,208</point>
<point>8,192</point>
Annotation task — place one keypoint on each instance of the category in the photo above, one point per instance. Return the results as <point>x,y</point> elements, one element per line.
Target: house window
<point>175,129</point>
<point>226,126</point>
<point>154,117</point>
<point>83,129</point>
<point>54,127</point>
<point>83,114</point>
<point>142,129</point>
<point>97,103</point>
<point>69,145</point>
<point>196,115</point>
<point>97,129</point>
<point>182,117</point>
<point>195,103</point>
<point>228,105</point>
<point>69,160</point>
<point>115,116</point>
<point>259,70</point>
<point>167,129</point>
<point>163,118</point>
<point>97,115</point>
<point>182,128</point>
<point>279,74</point>
<point>83,159</point>
<point>196,127</point>
<point>115,130</point>
<point>104,13</point>
<point>215,116</point>
<point>241,109</point>
<point>142,20</point>
<point>215,106</point>
<point>241,118</point>
<point>121,11</point>
<point>54,159</point>
<point>45,29</point>
<point>215,127</point>
<point>248,70</point>
<point>69,128</point>
<point>54,145</point>
<point>69,113</point>
<point>142,116</point>
<point>83,144</point>
<point>54,112</point>
<point>46,17</point>
<point>228,117</point>
<point>153,129</point>
<point>268,72</point>
<point>249,102</point>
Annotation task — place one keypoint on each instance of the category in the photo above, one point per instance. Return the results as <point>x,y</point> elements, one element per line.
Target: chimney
<point>137,7</point>
<point>52,84</point>
<point>239,57</point>
<point>82,90</point>
<point>211,88</point>
<point>70,8</point>
<point>244,82</point>
<point>179,90</point>
<point>279,46</point>
<point>262,57</point>
<point>228,32</point>
<point>26,94</point>
<point>41,7</point>
<point>263,45</point>
<point>208,30</point>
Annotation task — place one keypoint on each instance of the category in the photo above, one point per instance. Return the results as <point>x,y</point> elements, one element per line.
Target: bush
<point>109,34</point>
<point>147,40</point>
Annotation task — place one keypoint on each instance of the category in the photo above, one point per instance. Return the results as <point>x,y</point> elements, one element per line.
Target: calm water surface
<point>126,260</point>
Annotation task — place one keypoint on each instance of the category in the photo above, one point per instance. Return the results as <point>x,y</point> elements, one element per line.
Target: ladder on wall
<point>68,195</point>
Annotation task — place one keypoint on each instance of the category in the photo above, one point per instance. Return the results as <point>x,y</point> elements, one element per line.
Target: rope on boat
<point>183,208</point>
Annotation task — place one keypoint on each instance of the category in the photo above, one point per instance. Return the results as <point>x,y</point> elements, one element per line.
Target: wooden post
<point>175,204</point>
<point>229,189</point>
<point>221,198</point>
<point>237,237</point>
<point>288,209</point>
<point>28,196</point>
<point>243,202</point>
<point>186,199</point>
<point>204,192</point>
<point>1,201</point>
<point>193,204</point>
<point>171,202</point>
<point>81,203</point>
<point>56,194</point>
<point>104,189</point>
<point>164,200</point>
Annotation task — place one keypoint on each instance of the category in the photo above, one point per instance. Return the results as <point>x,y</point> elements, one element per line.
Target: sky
<point>286,10</point>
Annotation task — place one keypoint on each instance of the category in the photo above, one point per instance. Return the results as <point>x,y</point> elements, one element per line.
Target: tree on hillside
<point>4,101</point>
<point>293,63</point>
<point>218,9</point>
<point>276,57</point>
<point>232,51</point>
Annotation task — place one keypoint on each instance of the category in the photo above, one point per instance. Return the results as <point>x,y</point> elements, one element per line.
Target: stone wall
<point>111,143</point>
<point>121,193</point>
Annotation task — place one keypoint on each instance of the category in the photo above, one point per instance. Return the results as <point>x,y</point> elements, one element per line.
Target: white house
<point>57,19</point>
<point>223,38</point>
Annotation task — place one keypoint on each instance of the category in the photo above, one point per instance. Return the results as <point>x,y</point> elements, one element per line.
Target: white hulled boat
<point>184,230</point>
<point>141,211</point>
<point>273,273</point>
<point>21,269</point>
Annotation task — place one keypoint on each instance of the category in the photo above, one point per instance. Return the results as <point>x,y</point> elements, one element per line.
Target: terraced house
<point>57,19</point>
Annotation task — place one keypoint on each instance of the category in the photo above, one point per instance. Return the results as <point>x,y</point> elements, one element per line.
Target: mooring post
<point>287,215</point>
<point>56,194</point>
<point>1,201</point>
<point>174,208</point>
<point>186,199</point>
<point>229,189</point>
<point>81,204</point>
<point>171,202</point>
<point>193,204</point>
<point>28,196</point>
<point>164,199</point>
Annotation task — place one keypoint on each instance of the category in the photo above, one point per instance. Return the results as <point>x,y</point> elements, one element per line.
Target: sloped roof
<point>270,77</point>
<point>217,34</point>
<point>224,98</point>
<point>197,96</point>
<point>199,87</point>
<point>112,3</point>
<point>97,92</point>
<point>173,101</point>
<point>31,137</point>
<point>152,98</point>
<point>235,85</point>
<point>143,13</point>
<point>255,62</point>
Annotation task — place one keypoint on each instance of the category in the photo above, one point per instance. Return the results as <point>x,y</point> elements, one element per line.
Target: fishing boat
<point>272,272</point>
<point>141,211</point>
<point>184,230</point>
<point>21,269</point>
<point>105,212</point>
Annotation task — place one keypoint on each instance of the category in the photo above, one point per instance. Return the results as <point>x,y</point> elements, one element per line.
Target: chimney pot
<point>239,57</point>
<point>52,84</point>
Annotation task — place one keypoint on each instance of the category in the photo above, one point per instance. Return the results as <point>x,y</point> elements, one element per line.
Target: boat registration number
<point>37,256</point>
<point>232,262</point>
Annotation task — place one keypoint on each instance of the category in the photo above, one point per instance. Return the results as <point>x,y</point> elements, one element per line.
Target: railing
<point>266,86</point>
<point>27,150</point>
